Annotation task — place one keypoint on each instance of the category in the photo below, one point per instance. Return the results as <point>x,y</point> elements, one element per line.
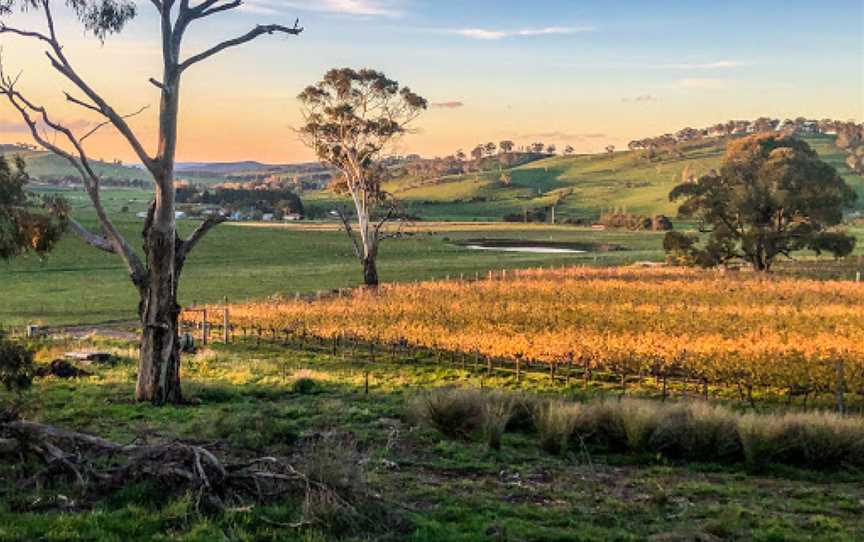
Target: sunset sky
<point>587,73</point>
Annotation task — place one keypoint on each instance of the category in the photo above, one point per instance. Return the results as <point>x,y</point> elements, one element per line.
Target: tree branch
<point>189,244</point>
<point>101,243</point>
<point>107,122</point>
<point>81,163</point>
<point>60,63</point>
<point>346,224</point>
<point>246,38</point>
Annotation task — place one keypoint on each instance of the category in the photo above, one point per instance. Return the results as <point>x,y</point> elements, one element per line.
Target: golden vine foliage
<point>744,330</point>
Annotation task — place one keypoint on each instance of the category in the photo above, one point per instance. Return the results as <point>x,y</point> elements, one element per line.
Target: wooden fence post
<point>204,329</point>
<point>841,386</point>
<point>227,323</point>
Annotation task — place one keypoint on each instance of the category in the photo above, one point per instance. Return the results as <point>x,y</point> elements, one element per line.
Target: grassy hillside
<point>585,184</point>
<point>44,165</point>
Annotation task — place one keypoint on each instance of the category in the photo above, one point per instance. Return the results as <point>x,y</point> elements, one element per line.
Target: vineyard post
<point>204,329</point>
<point>569,367</point>
<point>841,386</point>
<point>518,369</point>
<point>489,365</point>
<point>552,365</point>
<point>226,323</point>
<point>665,392</point>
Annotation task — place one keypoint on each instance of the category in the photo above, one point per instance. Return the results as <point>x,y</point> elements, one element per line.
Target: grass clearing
<point>442,489</point>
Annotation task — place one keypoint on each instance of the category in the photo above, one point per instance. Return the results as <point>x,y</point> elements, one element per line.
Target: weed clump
<point>453,412</point>
<point>697,432</point>
<point>556,422</point>
<point>821,441</point>
<point>305,384</point>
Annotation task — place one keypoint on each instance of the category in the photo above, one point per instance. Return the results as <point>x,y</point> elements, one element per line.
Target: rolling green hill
<point>582,185</point>
<point>44,165</point>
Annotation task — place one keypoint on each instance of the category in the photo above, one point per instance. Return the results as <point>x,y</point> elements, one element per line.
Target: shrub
<point>16,366</point>
<point>697,432</point>
<point>304,386</point>
<point>453,412</point>
<point>497,411</point>
<point>600,426</point>
<point>639,419</point>
<point>304,383</point>
<point>337,498</point>
<point>525,409</point>
<point>555,422</point>
<point>814,440</point>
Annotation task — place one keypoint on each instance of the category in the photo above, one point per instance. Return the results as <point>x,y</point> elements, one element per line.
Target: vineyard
<point>732,333</point>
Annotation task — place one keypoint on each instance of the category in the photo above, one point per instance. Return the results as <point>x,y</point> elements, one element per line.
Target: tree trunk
<point>370,272</point>
<point>159,364</point>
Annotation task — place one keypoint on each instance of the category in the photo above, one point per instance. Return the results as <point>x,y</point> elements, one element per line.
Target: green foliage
<point>772,196</point>
<point>99,17</point>
<point>16,365</point>
<point>22,227</point>
<point>305,385</point>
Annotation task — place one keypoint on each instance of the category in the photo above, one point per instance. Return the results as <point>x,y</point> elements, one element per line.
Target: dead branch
<point>98,466</point>
<point>259,30</point>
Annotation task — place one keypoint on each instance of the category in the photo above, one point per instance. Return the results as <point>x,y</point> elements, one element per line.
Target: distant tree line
<point>845,130</point>
<point>111,182</point>
<point>274,197</point>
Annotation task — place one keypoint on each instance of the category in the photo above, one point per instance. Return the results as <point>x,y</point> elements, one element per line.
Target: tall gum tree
<point>773,196</point>
<point>351,116</point>
<point>156,276</point>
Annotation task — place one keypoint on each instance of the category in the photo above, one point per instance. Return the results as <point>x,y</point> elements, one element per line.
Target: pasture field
<point>77,284</point>
<point>246,401</point>
<point>733,335</point>
<point>582,186</point>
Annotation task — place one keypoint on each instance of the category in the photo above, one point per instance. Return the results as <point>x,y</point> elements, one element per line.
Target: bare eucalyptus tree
<point>157,274</point>
<point>351,116</point>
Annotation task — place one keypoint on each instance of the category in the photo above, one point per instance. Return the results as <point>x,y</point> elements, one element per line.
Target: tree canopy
<point>99,17</point>
<point>23,226</point>
<point>772,196</point>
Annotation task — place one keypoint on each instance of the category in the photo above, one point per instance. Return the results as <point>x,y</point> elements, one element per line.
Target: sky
<point>578,72</point>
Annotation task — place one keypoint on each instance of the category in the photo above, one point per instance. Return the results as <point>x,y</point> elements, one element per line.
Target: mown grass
<point>248,398</point>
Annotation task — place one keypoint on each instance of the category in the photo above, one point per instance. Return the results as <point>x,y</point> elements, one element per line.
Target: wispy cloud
<point>718,65</point>
<point>488,34</point>
<point>642,98</point>
<point>365,8</point>
<point>447,105</point>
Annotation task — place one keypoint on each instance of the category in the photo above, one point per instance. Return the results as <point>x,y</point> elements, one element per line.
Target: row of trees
<point>798,126</point>
<point>508,146</point>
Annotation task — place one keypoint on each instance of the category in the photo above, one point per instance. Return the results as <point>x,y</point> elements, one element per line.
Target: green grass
<point>601,181</point>
<point>445,490</point>
<point>41,164</point>
<point>77,284</point>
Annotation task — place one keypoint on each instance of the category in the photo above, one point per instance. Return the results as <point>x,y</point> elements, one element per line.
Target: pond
<point>533,250</point>
<point>534,246</point>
